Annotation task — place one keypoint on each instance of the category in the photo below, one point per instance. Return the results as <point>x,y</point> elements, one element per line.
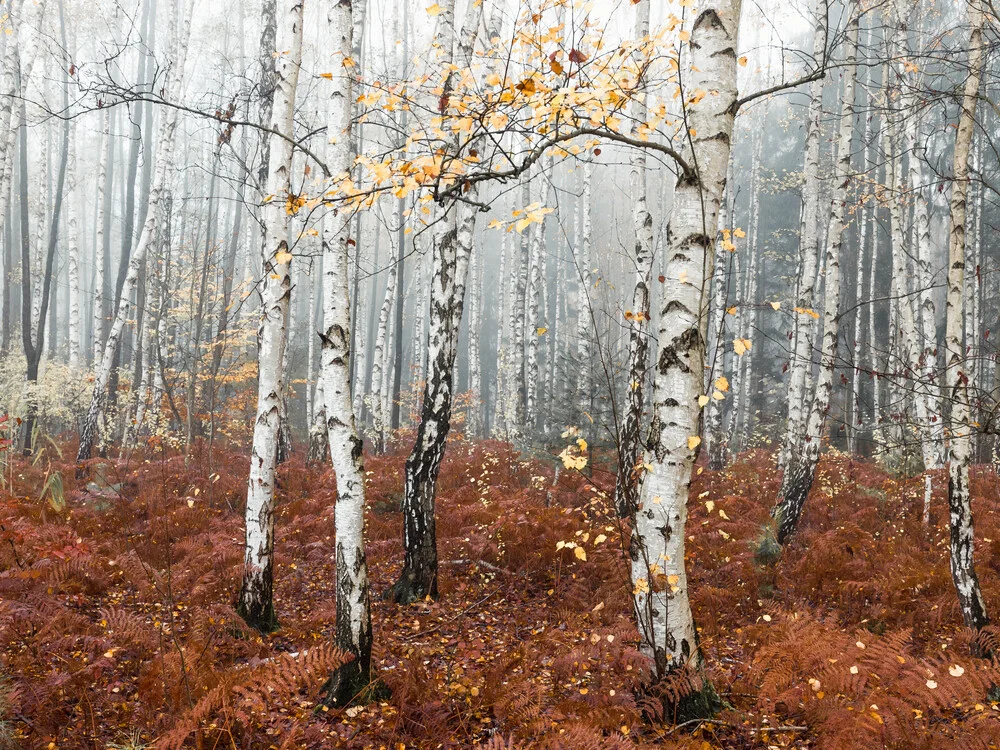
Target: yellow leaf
<point>775,305</point>
<point>741,346</point>
<point>743,60</point>
<point>709,505</point>
<point>702,400</point>
<point>541,331</point>
<point>282,257</point>
<point>854,670</point>
<point>722,515</point>
<point>739,233</point>
<point>580,553</point>
<point>685,35</point>
<point>806,311</point>
<point>327,76</point>
<point>693,442</point>
<point>434,10</point>
<point>731,310</point>
<point>722,384</point>
<point>718,395</point>
<point>766,618</point>
<point>931,684</point>
<point>955,670</point>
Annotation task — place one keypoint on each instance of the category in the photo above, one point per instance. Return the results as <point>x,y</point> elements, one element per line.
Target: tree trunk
<point>354,625</point>
<point>970,598</point>
<point>660,589</point>
<point>451,249</point>
<point>256,604</point>
<point>627,482</point>
<point>803,471</point>
<point>800,371</point>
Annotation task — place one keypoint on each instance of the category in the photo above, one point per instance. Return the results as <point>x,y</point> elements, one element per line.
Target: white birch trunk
<point>584,319</point>
<point>660,588</point>
<point>474,428</point>
<point>104,206</point>
<point>354,626</point>
<point>800,370</point>
<point>256,604</point>
<point>73,252</point>
<point>180,28</point>
<point>803,471</point>
<point>629,441</point>
<point>963,570</point>
<point>376,400</point>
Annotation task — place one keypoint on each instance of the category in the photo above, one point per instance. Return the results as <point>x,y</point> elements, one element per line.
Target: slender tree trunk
<point>474,426</point>
<point>380,420</point>
<point>803,471</point>
<point>627,482</point>
<point>970,598</point>
<point>354,625</point>
<point>584,313</point>
<point>800,372</point>
<point>451,250</point>
<point>660,587</point>
<point>256,603</point>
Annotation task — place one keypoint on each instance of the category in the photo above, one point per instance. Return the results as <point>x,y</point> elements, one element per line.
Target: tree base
<point>703,703</point>
<point>264,621</point>
<point>349,686</point>
<point>410,588</point>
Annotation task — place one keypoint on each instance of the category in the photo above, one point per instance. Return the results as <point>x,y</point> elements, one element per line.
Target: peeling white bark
<point>659,579</point>
<point>255,602</point>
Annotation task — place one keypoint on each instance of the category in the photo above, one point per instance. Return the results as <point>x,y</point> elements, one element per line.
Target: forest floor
<point>117,628</point>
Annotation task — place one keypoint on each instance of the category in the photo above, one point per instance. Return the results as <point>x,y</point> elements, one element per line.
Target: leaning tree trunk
<point>803,470</point>
<point>256,603</point>
<point>970,597</point>
<point>627,484</point>
<point>354,624</point>
<point>164,154</point>
<point>451,251</point>
<point>660,589</point>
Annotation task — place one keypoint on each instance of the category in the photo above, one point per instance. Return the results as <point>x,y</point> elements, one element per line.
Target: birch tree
<point>659,579</point>
<point>802,471</point>
<point>452,246</point>
<point>800,371</point>
<point>963,571</point>
<point>626,485</point>
<point>255,603</point>
<point>179,32</point>
<point>354,626</point>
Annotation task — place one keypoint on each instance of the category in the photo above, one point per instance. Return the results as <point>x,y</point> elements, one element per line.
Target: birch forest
<point>499,373</point>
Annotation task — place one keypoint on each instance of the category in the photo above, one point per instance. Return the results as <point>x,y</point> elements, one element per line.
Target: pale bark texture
<point>451,250</point>
<point>659,579</point>
<point>802,471</point>
<point>800,369</point>
<point>970,597</point>
<point>637,317</point>
<point>256,604</point>
<point>354,625</point>
<point>165,145</point>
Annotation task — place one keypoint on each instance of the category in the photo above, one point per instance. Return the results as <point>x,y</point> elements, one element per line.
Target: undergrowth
<point>117,627</point>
